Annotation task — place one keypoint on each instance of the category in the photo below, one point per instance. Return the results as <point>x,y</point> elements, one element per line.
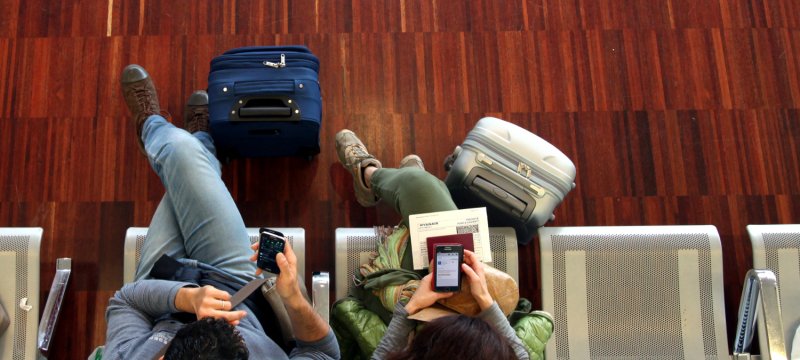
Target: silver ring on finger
<point>222,304</point>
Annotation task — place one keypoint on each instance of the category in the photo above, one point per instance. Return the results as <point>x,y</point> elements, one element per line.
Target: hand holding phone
<point>271,243</point>
<point>473,270</point>
<point>447,267</point>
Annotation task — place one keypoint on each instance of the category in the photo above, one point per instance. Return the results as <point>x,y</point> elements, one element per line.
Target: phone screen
<point>270,244</point>
<point>447,269</point>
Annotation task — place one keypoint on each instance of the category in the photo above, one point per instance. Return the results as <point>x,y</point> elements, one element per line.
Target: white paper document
<point>422,226</point>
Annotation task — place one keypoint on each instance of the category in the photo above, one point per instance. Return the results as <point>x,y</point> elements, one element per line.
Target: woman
<point>486,336</point>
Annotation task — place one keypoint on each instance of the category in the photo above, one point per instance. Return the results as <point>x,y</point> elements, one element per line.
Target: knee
<point>181,145</point>
<point>419,180</point>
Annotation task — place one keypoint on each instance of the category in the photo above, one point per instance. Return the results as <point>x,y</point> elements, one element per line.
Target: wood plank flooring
<point>674,112</point>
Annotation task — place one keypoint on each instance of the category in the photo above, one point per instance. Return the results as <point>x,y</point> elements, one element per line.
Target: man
<point>198,224</point>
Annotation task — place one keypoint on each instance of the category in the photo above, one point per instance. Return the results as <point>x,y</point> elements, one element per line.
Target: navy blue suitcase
<point>265,101</point>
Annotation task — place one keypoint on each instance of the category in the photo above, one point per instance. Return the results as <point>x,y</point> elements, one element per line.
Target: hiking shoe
<point>195,114</point>
<point>412,161</point>
<point>355,158</point>
<point>140,95</point>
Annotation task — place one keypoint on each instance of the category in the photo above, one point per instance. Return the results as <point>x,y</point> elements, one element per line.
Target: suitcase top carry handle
<point>264,108</point>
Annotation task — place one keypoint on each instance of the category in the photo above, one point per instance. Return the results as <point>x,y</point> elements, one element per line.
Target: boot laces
<point>199,119</point>
<point>357,153</point>
<point>144,97</point>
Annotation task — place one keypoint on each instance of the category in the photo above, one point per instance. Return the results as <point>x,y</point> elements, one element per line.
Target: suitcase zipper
<point>523,170</point>
<point>239,62</point>
<point>281,64</point>
<point>252,63</point>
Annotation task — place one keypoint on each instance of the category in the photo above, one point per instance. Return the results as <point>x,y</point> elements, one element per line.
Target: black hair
<point>457,337</point>
<point>207,339</point>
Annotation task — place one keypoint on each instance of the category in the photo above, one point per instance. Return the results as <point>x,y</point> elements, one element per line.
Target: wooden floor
<point>674,112</point>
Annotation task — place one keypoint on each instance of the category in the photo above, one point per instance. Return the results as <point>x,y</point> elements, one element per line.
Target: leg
<point>197,208</point>
<point>163,237</point>
<point>411,191</point>
<point>212,228</point>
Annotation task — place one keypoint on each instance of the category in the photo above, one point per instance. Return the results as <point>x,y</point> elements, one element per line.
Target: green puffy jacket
<point>359,330</point>
<point>534,329</point>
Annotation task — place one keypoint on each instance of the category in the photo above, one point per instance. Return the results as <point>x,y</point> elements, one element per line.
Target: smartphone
<point>447,268</point>
<point>270,243</point>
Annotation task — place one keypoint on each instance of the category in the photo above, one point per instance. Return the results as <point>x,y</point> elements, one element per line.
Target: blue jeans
<point>197,218</point>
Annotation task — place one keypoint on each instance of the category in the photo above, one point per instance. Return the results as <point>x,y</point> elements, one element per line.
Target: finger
<point>445,295</point>
<point>478,267</point>
<point>254,257</point>
<point>254,245</point>
<point>469,257</point>
<point>258,271</point>
<point>231,315</point>
<point>218,294</point>
<point>470,273</point>
<point>474,262</point>
<point>290,256</point>
<point>283,262</point>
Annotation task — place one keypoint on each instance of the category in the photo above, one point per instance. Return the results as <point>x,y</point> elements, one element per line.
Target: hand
<point>286,284</point>
<point>473,268</point>
<point>424,296</point>
<point>208,301</point>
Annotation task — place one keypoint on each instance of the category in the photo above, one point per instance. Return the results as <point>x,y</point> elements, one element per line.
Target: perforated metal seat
<point>135,236</point>
<point>634,292</point>
<point>27,337</point>
<point>354,246</point>
<point>19,290</point>
<point>777,248</point>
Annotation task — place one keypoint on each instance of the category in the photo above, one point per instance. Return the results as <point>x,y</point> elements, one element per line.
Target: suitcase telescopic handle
<point>264,108</point>
<point>498,197</point>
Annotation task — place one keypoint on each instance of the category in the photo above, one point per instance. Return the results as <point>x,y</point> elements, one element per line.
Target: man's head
<point>207,339</point>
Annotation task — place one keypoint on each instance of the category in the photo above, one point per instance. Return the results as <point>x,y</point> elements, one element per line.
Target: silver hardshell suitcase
<point>519,177</point>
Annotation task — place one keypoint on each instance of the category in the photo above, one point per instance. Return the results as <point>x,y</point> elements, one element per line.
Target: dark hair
<point>207,339</point>
<point>457,337</point>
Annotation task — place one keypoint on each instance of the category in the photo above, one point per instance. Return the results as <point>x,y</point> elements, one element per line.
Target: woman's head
<point>457,337</point>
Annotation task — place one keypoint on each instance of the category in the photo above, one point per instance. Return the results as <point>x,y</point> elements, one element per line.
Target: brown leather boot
<point>195,115</point>
<point>140,95</point>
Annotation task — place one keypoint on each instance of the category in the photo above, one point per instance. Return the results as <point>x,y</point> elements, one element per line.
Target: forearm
<point>396,334</point>
<point>494,316</point>
<point>131,312</point>
<point>151,297</point>
<point>307,324</point>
